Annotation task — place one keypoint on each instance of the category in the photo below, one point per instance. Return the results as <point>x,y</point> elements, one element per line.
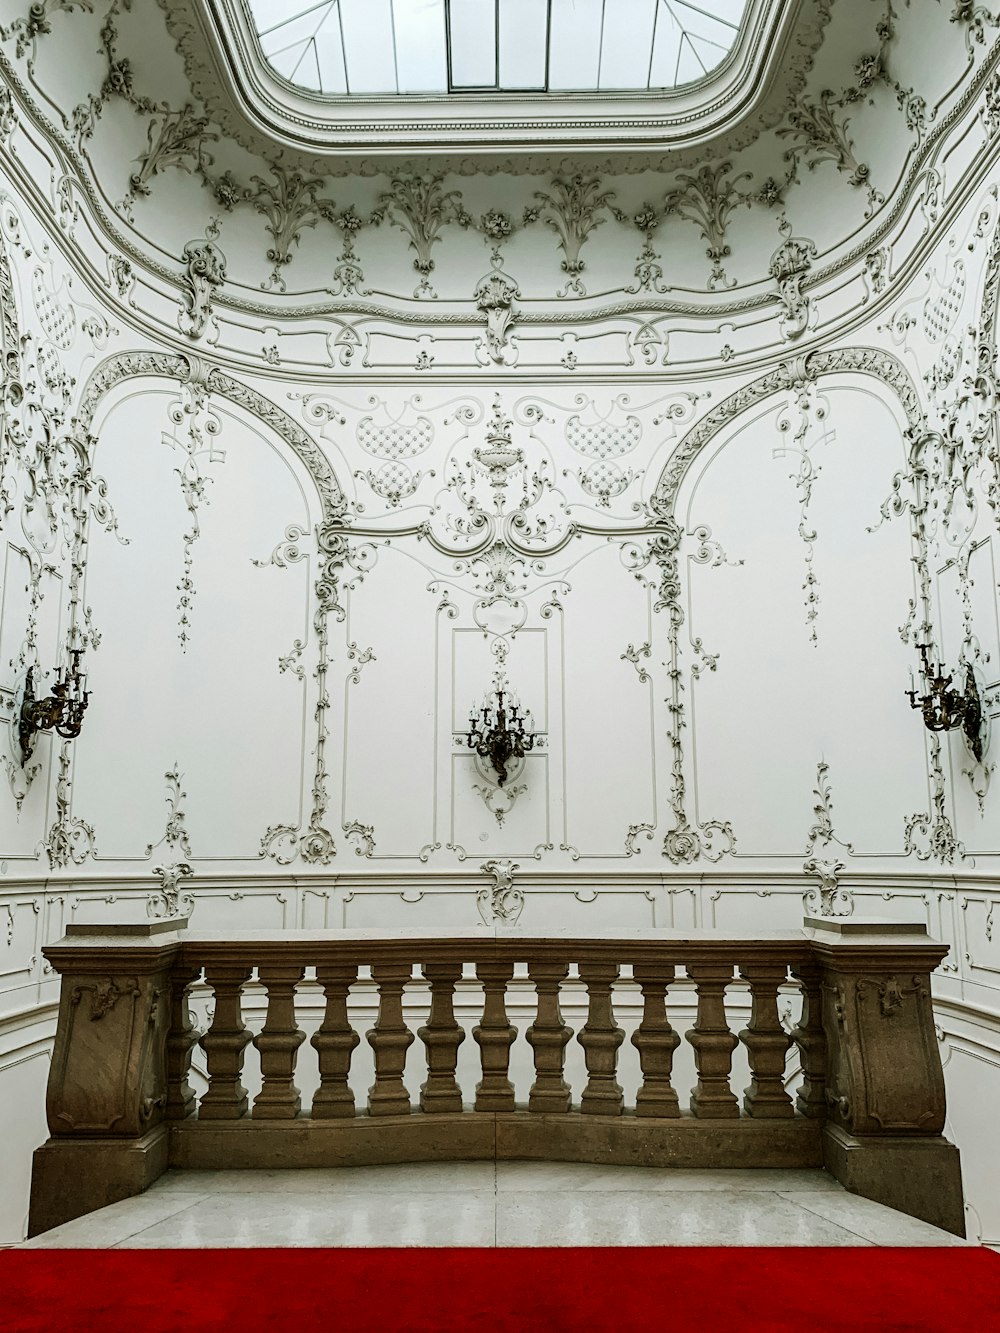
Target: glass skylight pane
<point>330,54</point>
<point>689,67</point>
<point>421,58</point>
<point>523,41</point>
<point>286,63</point>
<point>293,32</point>
<point>369,45</point>
<point>628,33</point>
<point>698,22</point>
<point>473,44</point>
<point>268,14</point>
<point>575,51</point>
<point>380,47</point>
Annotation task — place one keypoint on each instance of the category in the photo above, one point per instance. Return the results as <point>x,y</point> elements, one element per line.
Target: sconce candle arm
<point>62,711</point>
<point>501,736</point>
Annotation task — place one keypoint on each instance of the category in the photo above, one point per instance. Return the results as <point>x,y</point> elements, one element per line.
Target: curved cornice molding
<point>726,111</point>
<point>186,369</point>
<point>873,361</point>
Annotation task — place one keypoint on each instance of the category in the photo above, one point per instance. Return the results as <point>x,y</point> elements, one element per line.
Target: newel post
<point>107,1089</point>
<point>884,1081</point>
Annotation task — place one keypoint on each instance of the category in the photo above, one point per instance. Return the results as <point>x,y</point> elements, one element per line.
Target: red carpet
<point>493,1291</point>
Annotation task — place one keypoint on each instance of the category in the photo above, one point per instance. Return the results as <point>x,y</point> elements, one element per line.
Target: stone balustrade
<point>855,1084</point>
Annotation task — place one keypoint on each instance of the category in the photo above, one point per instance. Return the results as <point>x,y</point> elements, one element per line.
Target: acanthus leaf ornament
<point>708,199</point>
<point>572,207</point>
<point>289,204</point>
<point>420,207</point>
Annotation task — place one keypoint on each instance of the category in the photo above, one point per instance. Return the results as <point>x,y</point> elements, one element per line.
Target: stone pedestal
<point>884,1081</point>
<point>107,1088</point>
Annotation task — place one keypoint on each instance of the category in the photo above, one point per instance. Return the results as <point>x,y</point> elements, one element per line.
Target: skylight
<point>344,48</point>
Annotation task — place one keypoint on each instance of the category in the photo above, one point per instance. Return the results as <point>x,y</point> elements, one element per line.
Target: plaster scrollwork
<point>499,801</point>
<point>394,438</point>
<point>817,134</point>
<point>292,661</point>
<point>711,839</point>
<point>283,842</point>
<point>572,207</point>
<point>8,115</point>
<point>204,273</point>
<point>500,901</point>
<point>648,268</point>
<point>821,858</point>
<point>348,275</point>
<point>789,267</point>
<point>200,425</point>
<point>494,297</point>
<point>170,899</point>
<point>70,839</point>
<point>634,655</point>
<point>634,831</point>
<point>289,551</point>
<point>603,438</point>
<point>875,273</point>
<point>360,657</point>
<point>174,139</point>
<point>365,835</point>
<point>812,410</point>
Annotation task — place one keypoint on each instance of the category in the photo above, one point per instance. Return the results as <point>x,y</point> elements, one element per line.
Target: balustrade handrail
<point>868,1061</point>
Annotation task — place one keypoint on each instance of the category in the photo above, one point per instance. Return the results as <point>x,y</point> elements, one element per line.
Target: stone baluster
<point>600,1039</point>
<point>494,1035</point>
<point>334,1044</point>
<point>442,1037</point>
<point>278,1043</point>
<point>224,1044</point>
<point>713,1043</point>
<point>547,1037</point>
<point>656,1041</point>
<point>767,1044</point>
<point>390,1039</point>
<point>182,1036</point>
<point>811,1041</point>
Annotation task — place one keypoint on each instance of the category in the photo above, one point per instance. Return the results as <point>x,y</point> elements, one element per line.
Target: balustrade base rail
<point>868,1104</point>
<point>503,1136</point>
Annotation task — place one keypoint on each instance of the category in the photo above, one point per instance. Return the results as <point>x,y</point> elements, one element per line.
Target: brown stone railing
<point>868,1105</point>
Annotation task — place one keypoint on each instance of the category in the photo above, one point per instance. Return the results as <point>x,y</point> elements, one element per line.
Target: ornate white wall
<point>245,473</point>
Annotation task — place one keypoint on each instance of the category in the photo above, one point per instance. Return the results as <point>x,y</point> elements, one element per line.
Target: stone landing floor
<point>492,1204</point>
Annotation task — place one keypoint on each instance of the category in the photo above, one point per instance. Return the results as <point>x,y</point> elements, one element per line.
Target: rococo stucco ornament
<point>500,902</point>
<point>789,266</point>
<point>204,273</point>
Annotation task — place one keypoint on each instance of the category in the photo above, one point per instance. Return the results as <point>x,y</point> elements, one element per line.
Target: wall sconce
<point>62,711</point>
<point>943,708</point>
<point>498,731</point>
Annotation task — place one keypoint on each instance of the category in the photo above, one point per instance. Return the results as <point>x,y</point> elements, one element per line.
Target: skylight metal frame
<point>527,131</point>
<point>443,29</point>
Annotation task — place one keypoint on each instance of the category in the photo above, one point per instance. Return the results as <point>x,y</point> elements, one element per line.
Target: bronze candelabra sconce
<point>944,708</point>
<point>62,711</point>
<point>498,731</point>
